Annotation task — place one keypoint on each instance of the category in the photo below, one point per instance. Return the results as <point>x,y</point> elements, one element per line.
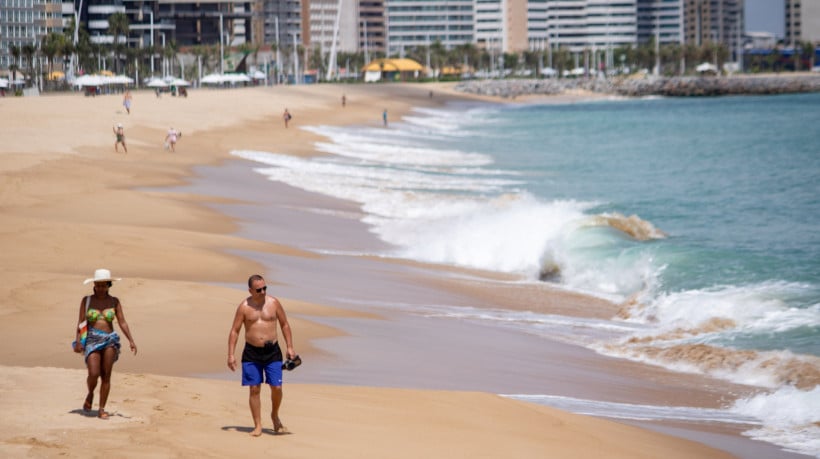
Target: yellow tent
<point>56,75</point>
<point>105,73</point>
<point>393,65</point>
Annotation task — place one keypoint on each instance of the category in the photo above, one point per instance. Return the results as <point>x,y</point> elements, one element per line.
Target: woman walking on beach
<point>102,346</point>
<point>171,139</point>
<point>120,133</point>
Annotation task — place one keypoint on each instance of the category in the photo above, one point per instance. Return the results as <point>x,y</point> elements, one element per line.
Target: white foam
<point>789,417</point>
<point>636,411</point>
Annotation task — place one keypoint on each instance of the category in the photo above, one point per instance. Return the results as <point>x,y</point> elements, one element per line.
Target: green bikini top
<point>94,315</point>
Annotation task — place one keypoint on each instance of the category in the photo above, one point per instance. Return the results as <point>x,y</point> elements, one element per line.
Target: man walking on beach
<point>261,357</point>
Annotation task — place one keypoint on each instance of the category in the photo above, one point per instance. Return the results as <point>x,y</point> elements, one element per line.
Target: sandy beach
<point>185,230</point>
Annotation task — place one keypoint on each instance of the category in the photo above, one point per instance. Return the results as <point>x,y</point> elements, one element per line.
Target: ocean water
<point>699,216</point>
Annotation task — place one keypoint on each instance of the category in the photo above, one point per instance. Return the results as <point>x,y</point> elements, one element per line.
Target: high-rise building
<point>802,21</point>
<point>26,22</point>
<point>372,26</point>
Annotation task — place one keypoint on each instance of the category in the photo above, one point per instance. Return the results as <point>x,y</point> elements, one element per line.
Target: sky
<point>765,16</point>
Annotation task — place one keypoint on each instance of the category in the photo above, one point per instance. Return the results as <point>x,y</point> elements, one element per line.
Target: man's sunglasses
<point>262,289</point>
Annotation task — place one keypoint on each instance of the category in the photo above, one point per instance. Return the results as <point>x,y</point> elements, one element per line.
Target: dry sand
<point>70,204</point>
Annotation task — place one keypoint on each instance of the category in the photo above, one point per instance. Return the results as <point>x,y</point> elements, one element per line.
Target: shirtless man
<point>262,357</point>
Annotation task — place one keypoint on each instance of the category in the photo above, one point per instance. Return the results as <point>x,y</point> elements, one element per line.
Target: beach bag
<point>83,326</point>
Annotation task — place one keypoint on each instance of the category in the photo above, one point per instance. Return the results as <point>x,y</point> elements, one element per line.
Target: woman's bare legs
<point>106,367</point>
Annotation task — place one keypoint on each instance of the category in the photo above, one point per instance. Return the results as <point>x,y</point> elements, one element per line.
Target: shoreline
<point>173,250</point>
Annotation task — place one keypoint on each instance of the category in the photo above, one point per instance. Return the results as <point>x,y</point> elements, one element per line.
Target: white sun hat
<point>102,275</point>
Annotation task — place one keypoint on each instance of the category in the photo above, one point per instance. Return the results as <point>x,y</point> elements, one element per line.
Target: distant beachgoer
<point>262,356</point>
<point>126,101</point>
<point>171,139</point>
<point>102,345</point>
<point>384,117</point>
<point>286,116</point>
<point>344,100</point>
<point>119,131</point>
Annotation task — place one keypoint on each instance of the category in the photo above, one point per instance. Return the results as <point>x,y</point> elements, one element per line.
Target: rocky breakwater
<point>649,86</point>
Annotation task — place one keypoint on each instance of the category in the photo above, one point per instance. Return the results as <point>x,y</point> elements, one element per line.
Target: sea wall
<point>649,86</point>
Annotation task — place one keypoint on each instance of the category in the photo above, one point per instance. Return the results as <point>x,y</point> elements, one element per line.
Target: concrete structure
<point>26,22</point>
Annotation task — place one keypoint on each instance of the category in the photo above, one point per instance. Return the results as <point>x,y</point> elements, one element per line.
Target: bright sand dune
<point>69,204</point>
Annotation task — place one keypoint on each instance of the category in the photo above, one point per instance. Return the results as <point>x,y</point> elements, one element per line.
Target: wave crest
<point>772,369</point>
<point>633,226</point>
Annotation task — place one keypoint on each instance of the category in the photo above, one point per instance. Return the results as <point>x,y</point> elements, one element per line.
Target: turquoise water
<point>700,216</point>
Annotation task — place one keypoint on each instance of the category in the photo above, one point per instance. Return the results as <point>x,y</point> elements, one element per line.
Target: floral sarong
<point>99,340</point>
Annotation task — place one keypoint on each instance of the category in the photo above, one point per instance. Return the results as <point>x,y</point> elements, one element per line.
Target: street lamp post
<point>221,47</point>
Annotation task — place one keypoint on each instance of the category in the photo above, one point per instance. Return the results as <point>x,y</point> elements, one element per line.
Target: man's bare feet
<point>257,431</point>
<point>89,399</point>
<point>277,425</point>
<point>103,414</point>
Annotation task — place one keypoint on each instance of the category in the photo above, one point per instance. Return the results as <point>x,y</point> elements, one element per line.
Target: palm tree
<point>169,53</point>
<point>118,25</point>
<point>15,62</point>
<point>29,50</point>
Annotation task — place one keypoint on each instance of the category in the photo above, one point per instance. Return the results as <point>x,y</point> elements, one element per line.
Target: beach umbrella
<point>88,80</point>
<point>156,83</point>
<point>257,75</point>
<point>236,78</point>
<point>213,78</point>
<point>120,79</point>
<point>176,82</point>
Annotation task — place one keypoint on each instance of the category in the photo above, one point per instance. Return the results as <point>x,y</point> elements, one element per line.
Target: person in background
<point>126,101</point>
<point>102,346</point>
<point>286,117</point>
<point>120,133</point>
<point>384,117</point>
<point>171,139</point>
<point>262,356</point>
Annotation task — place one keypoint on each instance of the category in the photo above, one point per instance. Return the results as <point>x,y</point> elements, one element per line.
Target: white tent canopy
<point>4,83</point>
<point>706,67</point>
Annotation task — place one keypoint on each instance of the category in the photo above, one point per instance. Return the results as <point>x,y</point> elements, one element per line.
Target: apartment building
<point>661,21</point>
<point>802,21</point>
<point>411,23</point>
<point>26,22</point>
<point>714,21</point>
<point>332,20</point>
